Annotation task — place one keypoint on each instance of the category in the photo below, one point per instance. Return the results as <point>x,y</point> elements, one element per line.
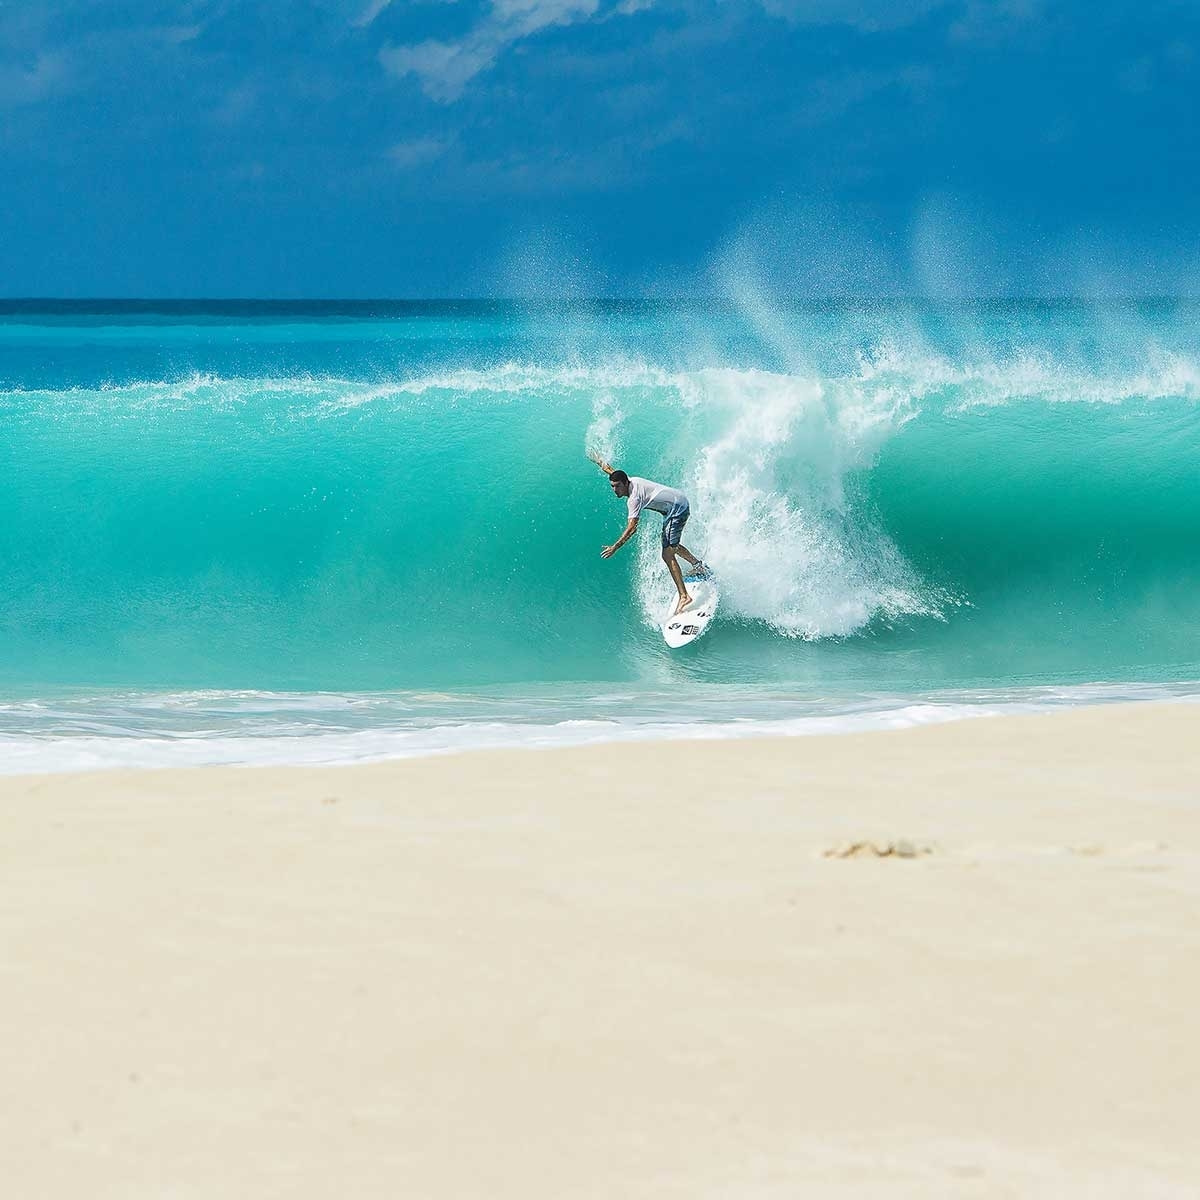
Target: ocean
<point>319,532</point>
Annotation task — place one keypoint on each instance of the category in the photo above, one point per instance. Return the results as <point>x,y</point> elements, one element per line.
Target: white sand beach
<point>654,970</point>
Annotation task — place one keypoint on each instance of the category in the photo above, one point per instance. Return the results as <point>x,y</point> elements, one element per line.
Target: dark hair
<point>618,477</point>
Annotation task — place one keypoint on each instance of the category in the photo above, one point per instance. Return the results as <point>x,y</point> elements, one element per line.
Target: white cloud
<point>178,34</point>
<point>993,21</point>
<point>869,16</point>
<point>48,74</point>
<point>370,12</point>
<point>528,16</point>
<point>370,9</point>
<point>445,68</point>
<point>30,73</point>
<point>416,152</point>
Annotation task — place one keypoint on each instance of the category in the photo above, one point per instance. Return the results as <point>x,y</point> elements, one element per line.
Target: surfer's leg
<point>698,567</point>
<point>672,530</point>
<point>677,577</point>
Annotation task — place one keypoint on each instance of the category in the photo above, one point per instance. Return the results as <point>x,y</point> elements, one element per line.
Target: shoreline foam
<point>150,730</point>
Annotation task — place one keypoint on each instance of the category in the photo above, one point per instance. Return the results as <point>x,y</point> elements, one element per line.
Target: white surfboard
<point>678,630</point>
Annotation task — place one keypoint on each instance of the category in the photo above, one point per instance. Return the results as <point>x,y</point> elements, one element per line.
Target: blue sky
<point>627,147</point>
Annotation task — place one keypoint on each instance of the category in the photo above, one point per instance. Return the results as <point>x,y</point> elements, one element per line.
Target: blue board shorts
<point>673,525</point>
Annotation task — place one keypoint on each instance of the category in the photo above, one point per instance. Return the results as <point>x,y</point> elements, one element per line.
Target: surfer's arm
<point>630,530</point>
<point>598,459</point>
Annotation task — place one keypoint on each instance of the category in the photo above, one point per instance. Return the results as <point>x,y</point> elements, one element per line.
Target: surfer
<point>672,504</point>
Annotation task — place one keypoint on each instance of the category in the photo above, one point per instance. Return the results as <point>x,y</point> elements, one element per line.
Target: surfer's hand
<point>608,551</point>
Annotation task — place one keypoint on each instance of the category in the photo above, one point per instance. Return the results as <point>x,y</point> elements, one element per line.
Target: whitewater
<point>318,532</point>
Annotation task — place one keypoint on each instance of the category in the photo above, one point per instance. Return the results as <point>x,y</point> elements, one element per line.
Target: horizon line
<point>847,297</point>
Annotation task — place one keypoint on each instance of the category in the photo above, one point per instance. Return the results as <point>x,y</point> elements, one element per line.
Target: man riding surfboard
<point>640,494</point>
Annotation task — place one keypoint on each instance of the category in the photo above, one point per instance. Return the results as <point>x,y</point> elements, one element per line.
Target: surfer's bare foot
<point>684,601</point>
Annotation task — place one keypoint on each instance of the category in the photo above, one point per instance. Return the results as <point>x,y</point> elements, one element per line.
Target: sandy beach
<point>957,961</point>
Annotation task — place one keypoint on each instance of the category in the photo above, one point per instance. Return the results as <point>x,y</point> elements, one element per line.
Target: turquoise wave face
<point>894,498</point>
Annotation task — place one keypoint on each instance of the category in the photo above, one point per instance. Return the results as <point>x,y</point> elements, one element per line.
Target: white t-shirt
<point>643,493</point>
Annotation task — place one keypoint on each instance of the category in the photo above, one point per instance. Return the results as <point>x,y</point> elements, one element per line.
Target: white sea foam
<point>765,459</point>
<point>271,729</point>
<point>890,375</point>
